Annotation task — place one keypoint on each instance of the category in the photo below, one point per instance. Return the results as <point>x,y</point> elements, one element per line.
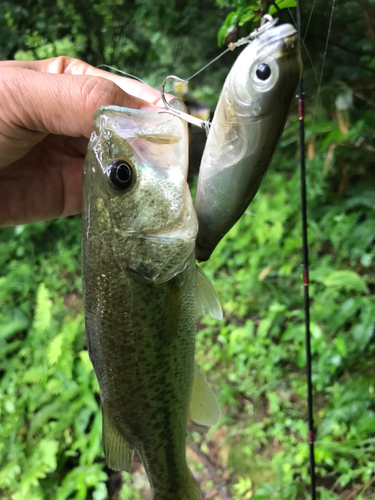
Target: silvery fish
<point>248,122</point>
<point>141,291</point>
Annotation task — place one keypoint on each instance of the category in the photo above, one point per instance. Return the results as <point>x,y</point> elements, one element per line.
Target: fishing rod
<point>305,266</point>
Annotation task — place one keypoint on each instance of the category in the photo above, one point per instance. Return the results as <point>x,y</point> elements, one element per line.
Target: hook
<point>266,23</point>
<point>173,111</point>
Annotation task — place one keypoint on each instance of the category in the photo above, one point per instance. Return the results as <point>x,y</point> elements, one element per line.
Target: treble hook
<point>180,114</point>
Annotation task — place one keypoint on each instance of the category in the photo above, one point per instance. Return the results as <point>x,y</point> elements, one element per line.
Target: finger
<point>45,184</point>
<point>58,104</point>
<point>130,85</point>
<point>70,66</point>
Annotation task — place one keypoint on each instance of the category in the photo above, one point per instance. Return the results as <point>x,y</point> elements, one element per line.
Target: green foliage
<point>50,421</point>
<point>148,39</point>
<point>263,355</point>
<point>256,270</point>
<point>248,13</point>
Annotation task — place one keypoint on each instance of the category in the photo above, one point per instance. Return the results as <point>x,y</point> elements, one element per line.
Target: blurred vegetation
<point>50,425</point>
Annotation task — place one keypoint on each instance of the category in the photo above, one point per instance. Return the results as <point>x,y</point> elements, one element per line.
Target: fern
<point>346,279</point>
<point>42,317</point>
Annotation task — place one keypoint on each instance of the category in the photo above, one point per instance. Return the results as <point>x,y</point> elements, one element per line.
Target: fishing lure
<point>247,125</point>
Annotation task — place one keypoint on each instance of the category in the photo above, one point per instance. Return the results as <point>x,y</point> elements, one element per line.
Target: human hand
<point>45,122</point>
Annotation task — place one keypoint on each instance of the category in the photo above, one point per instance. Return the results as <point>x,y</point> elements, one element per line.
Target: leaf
<point>283,4</point>
<point>346,279</point>
<point>335,136</point>
<point>43,460</point>
<point>264,272</point>
<point>36,375</point>
<point>250,15</point>
<point>9,473</point>
<point>221,35</point>
<point>9,329</point>
<point>76,480</point>
<point>327,494</point>
<point>363,332</point>
<point>231,19</point>
<point>54,349</point>
<point>42,318</point>
<point>366,199</point>
<point>347,310</point>
<point>50,411</point>
<point>86,362</point>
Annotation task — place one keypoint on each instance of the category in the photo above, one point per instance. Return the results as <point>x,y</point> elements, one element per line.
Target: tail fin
<point>190,491</point>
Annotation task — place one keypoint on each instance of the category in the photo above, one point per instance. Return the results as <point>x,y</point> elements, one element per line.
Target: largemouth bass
<point>248,122</point>
<point>140,294</point>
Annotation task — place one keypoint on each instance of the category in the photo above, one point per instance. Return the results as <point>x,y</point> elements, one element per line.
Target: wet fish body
<point>248,122</point>
<point>139,275</point>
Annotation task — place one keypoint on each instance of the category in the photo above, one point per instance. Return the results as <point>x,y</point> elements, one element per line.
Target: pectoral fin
<point>204,408</point>
<point>207,299</point>
<point>118,452</point>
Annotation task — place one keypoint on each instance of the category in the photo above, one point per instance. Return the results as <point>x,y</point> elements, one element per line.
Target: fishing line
<point>266,22</point>
<point>304,44</point>
<point>324,58</point>
<point>122,72</point>
<point>308,21</point>
<point>176,86</point>
<point>230,48</point>
<point>292,18</point>
<point>311,62</point>
<point>305,265</point>
<point>208,64</point>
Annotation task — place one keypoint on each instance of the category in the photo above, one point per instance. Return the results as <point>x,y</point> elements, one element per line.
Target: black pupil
<point>121,174</point>
<point>263,71</point>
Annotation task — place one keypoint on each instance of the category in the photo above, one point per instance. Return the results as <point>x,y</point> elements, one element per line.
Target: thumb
<point>58,104</point>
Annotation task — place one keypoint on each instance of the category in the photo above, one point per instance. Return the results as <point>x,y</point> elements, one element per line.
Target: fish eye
<point>264,74</point>
<point>120,174</point>
<point>263,71</point>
